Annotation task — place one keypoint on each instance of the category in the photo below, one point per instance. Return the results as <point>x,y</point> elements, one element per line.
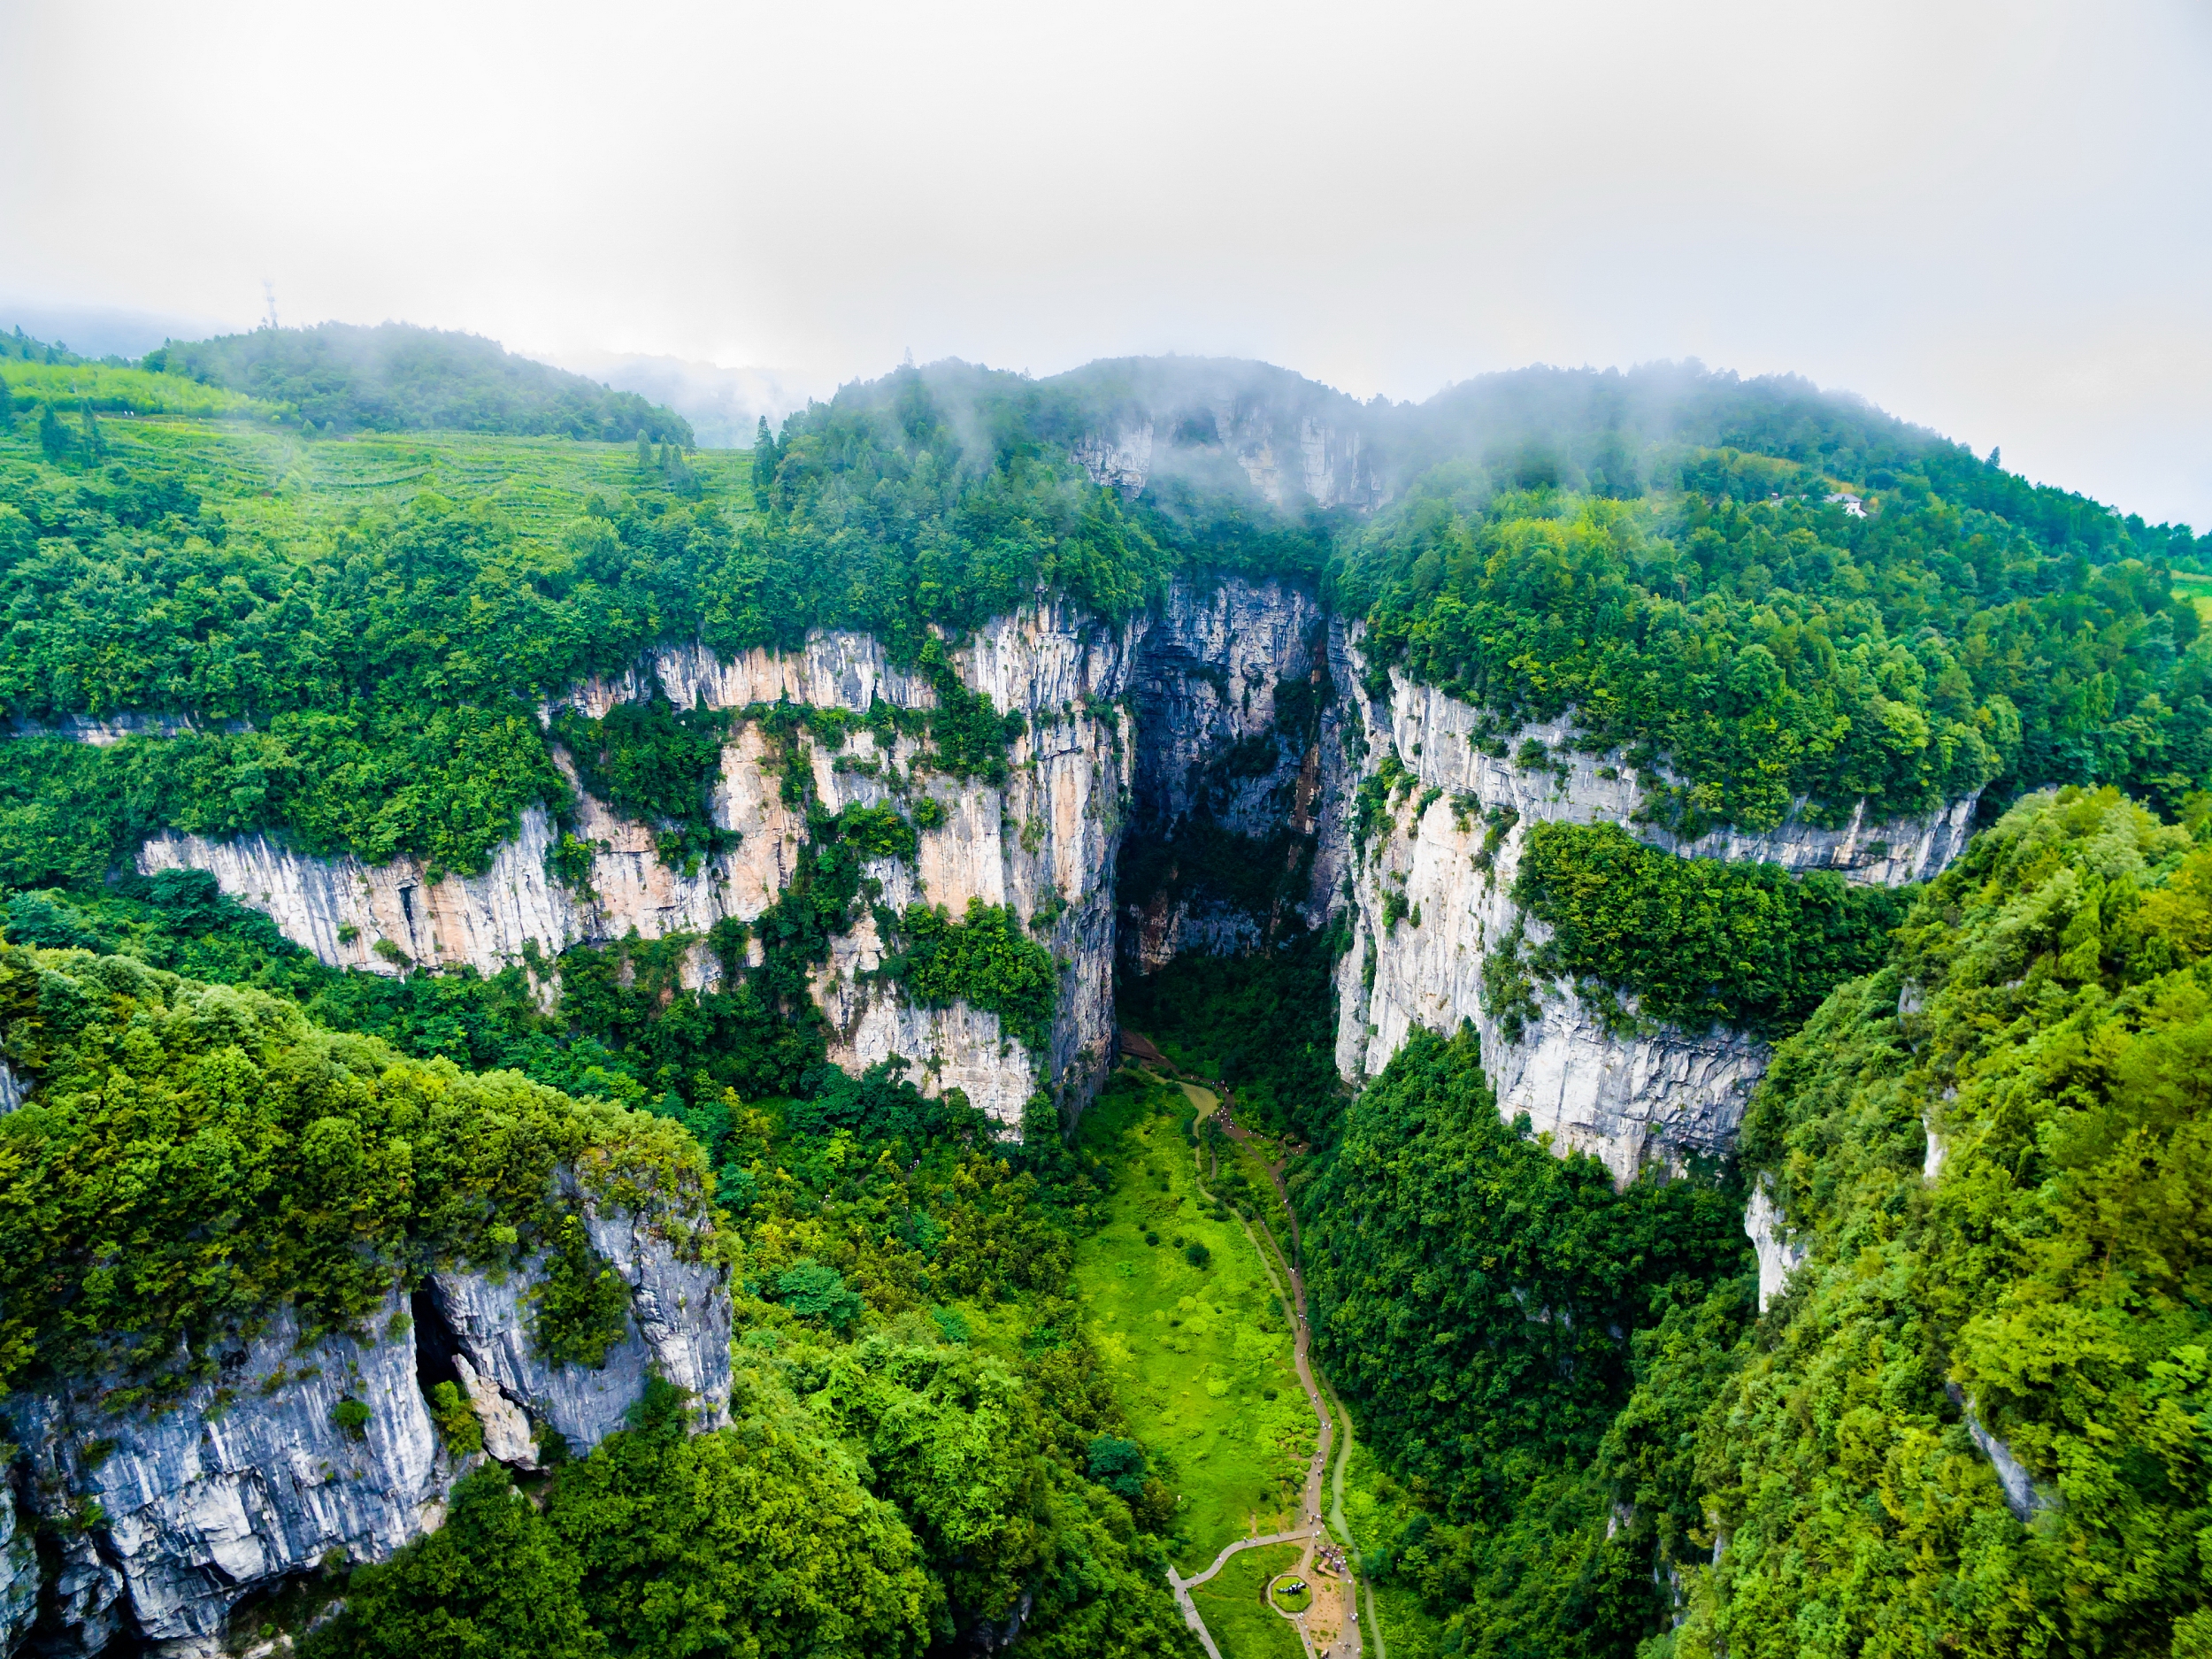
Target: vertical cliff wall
<point>1045,841</point>
<point>1235,763</point>
<point>1432,898</point>
<point>1249,726</point>
<point>165,1518</point>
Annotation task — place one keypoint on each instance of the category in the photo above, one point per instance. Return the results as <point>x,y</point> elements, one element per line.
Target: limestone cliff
<point>1286,458</point>
<point>1237,428</point>
<point>166,1518</point>
<point>1045,839</point>
<point>1236,762</point>
<point>1432,898</point>
<point>1236,792</point>
<point>19,1572</point>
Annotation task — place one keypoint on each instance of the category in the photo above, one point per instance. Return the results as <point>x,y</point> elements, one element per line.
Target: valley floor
<point>1201,1358</point>
<point>1198,1357</point>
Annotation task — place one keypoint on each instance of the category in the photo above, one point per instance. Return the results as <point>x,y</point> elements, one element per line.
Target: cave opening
<point>435,1343</point>
<point>1225,947</point>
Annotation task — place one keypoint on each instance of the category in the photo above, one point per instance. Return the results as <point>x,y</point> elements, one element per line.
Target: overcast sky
<point>1994,220</point>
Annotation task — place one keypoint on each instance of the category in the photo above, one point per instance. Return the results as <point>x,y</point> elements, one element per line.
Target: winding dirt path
<point>1312,1531</point>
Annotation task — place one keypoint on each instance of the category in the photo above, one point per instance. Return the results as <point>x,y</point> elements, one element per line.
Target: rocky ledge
<point>164,1519</point>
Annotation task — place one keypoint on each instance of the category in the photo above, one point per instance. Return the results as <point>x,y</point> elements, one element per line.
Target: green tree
<point>765,457</point>
<point>495,1580</point>
<point>1997,1151</point>
<point>1476,1299</point>
<point>758,1539</point>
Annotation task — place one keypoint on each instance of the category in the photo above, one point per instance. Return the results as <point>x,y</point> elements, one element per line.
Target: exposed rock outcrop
<point>1218,753</point>
<point>250,1478</point>
<point>2024,1495</point>
<point>169,1516</point>
<point>1431,897</point>
<point>1779,1253</point>
<point>679,1330</point>
<point>1290,441</point>
<point>1044,841</point>
<point>18,1573</point>
<point>1208,751</point>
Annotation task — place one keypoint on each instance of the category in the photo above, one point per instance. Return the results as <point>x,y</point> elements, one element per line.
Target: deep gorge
<point>610,990</point>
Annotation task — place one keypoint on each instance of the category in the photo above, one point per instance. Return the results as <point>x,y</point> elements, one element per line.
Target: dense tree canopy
<point>367,679</point>
<point>1475,1297</point>
<point>2045,1029</point>
<point>192,1155</point>
<point>1744,656</point>
<point>1697,941</point>
<point>1761,600</point>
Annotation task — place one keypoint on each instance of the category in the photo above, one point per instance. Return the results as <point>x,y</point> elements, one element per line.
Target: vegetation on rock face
<point>914,1384</point>
<point>1753,595</point>
<point>1773,593</point>
<point>653,1545</point>
<point>1994,1149</point>
<point>1767,652</point>
<point>1735,630</point>
<point>191,1155</point>
<point>656,765</point>
<point>1698,942</point>
<point>985,959</point>
<point>2045,1024</point>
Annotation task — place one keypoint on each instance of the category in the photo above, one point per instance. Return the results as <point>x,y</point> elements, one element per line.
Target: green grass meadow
<point>1234,1606</point>
<point>1190,1353</point>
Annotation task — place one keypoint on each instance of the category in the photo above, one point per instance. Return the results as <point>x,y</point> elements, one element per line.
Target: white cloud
<point>1993,218</point>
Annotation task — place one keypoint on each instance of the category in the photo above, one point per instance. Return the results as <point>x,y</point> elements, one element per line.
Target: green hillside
<point>1578,1383</point>
<point>338,378</point>
<point>394,605</point>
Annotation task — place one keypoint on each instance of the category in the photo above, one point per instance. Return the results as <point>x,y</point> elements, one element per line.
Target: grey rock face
<point>2024,1496</point>
<point>1047,839</point>
<point>1625,1090</point>
<point>18,1574</point>
<point>1433,735</point>
<point>679,1330</point>
<point>1203,683</point>
<point>253,1478</point>
<point>1780,1255</point>
<point>247,1480</point>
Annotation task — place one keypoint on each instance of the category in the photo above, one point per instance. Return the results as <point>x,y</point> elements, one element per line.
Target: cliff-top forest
<point>333,593</point>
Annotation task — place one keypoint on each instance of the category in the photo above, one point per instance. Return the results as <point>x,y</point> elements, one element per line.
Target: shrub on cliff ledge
<point>1698,942</point>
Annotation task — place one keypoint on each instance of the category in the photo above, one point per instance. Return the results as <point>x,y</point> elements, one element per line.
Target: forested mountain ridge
<point>338,378</point>
<point>1997,1148</point>
<point>1762,649</point>
<point>1976,1416</point>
